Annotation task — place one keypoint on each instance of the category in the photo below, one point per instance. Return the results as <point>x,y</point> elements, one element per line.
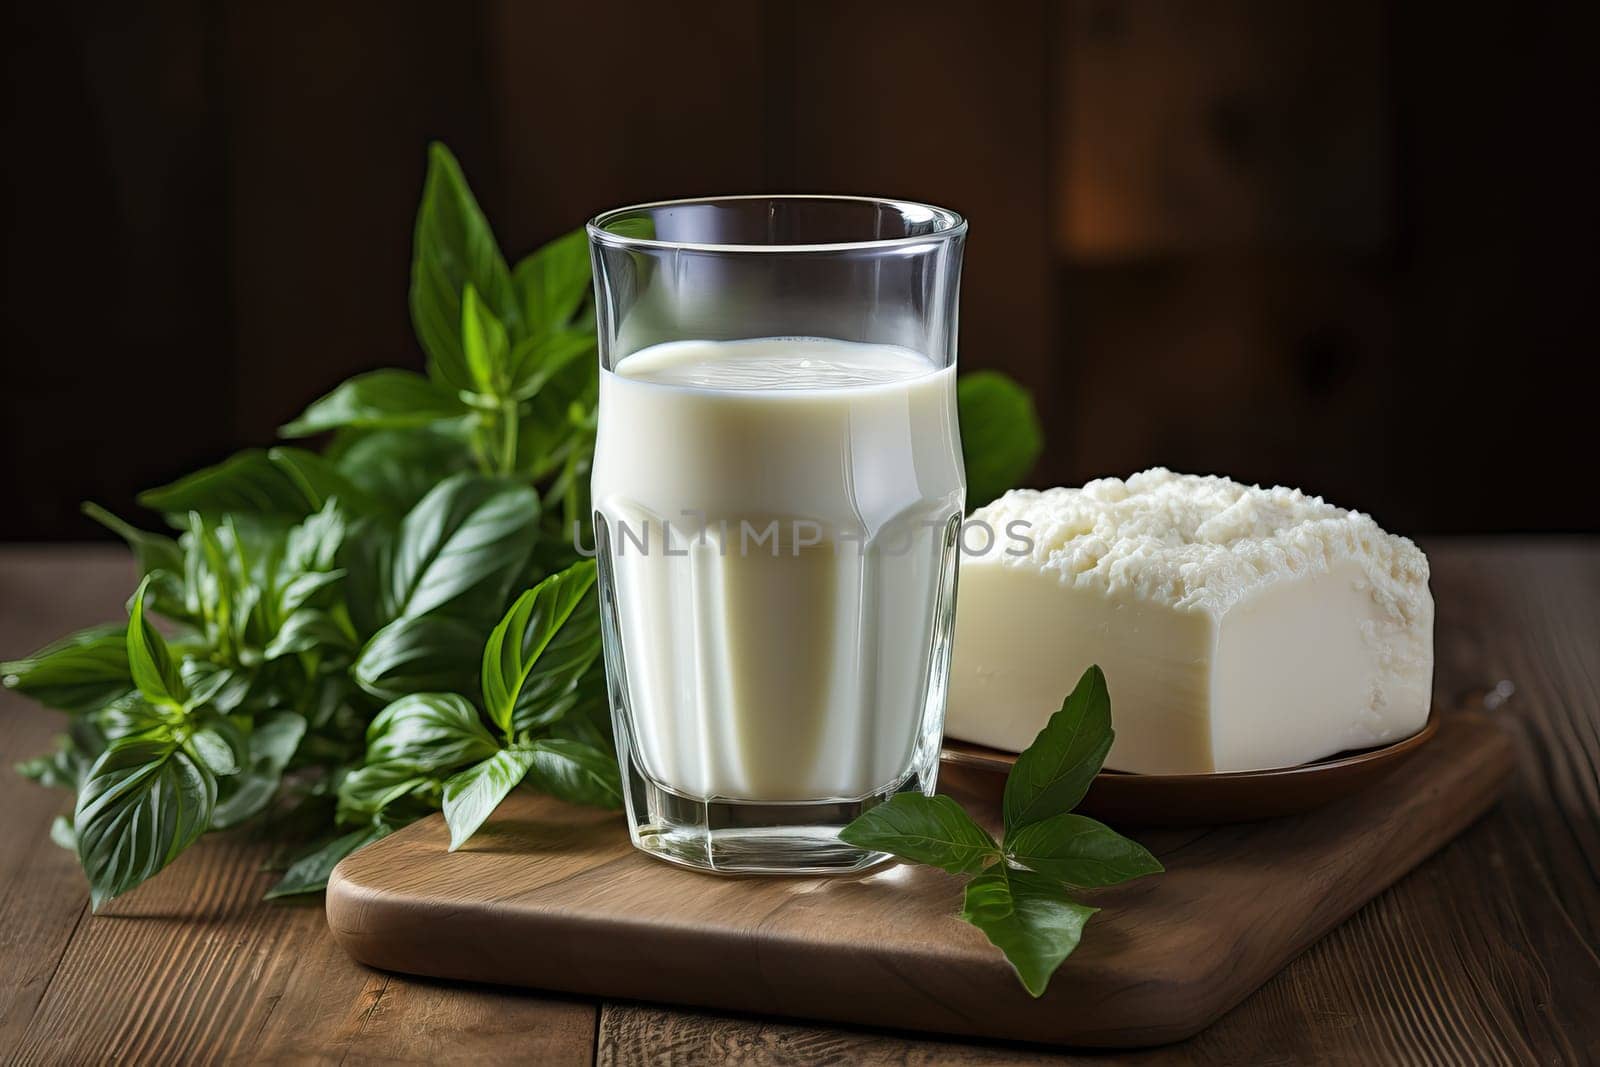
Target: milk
<point>777,522</point>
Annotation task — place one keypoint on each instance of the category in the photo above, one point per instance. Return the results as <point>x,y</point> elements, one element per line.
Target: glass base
<point>742,837</point>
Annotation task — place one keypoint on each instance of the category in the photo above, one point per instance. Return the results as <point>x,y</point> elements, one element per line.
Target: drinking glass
<point>778,492</point>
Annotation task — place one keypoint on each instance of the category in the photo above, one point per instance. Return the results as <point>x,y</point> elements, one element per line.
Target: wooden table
<point>1489,952</point>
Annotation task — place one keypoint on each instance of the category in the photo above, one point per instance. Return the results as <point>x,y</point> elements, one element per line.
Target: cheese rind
<point>1239,628</point>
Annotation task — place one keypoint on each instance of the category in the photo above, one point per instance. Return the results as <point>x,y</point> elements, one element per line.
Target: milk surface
<point>777,518</point>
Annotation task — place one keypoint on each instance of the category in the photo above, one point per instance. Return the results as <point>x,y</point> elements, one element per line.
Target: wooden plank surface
<point>1488,952</point>
<point>555,897</point>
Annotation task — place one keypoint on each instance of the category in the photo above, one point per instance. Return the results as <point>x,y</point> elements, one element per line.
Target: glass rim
<point>950,225</point>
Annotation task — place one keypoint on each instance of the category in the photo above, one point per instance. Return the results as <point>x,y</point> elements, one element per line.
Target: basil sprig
<point>396,623</point>
<point>1020,898</point>
<point>473,753</point>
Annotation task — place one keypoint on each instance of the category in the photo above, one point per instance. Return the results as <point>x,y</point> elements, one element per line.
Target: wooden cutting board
<point>555,897</point>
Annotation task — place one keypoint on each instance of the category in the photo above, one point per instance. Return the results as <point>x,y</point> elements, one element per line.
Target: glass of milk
<point>778,492</point>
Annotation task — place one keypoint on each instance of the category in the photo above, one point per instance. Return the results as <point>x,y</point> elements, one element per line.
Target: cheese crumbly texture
<point>1239,627</point>
<point>1200,541</point>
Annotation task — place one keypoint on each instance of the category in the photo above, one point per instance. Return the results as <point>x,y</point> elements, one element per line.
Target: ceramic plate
<point>1201,799</point>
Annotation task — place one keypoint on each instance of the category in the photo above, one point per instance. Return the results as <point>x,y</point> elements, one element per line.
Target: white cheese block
<point>1239,628</point>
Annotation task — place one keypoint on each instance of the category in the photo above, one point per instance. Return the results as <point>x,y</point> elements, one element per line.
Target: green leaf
<point>309,873</point>
<point>543,646</point>
<point>1079,851</point>
<point>77,673</point>
<point>223,688</point>
<point>219,744</point>
<point>314,544</point>
<point>143,803</point>
<point>1055,771</point>
<point>932,830</point>
<point>485,345</point>
<point>1000,434</point>
<point>380,399</point>
<point>131,717</point>
<point>461,547</point>
<point>537,360</point>
<point>588,718</point>
<point>309,587</point>
<point>319,482</point>
<point>246,481</point>
<point>157,554</point>
<point>62,833</point>
<point>273,743</point>
<point>367,790</point>
<point>65,768</point>
<point>470,796</point>
<point>431,654</point>
<point>558,420</point>
<point>552,282</point>
<point>429,732</point>
<point>574,772</point>
<point>154,551</point>
<point>1027,917</point>
<point>307,630</point>
<point>399,467</point>
<point>368,560</point>
<point>288,483</point>
<point>453,246</point>
<point>150,661</point>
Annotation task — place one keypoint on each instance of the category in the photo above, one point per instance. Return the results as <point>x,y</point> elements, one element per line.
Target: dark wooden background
<point>1344,246</point>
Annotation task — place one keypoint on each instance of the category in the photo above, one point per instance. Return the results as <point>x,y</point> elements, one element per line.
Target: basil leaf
<point>1000,434</point>
<point>535,361</point>
<point>320,482</point>
<point>154,551</point>
<point>543,646</point>
<point>460,548</point>
<point>65,768</point>
<point>245,482</point>
<point>309,873</point>
<point>485,346</point>
<point>575,772</point>
<point>432,654</point>
<point>307,630</point>
<point>549,433</point>
<point>77,673</point>
<point>430,732</point>
<point>587,717</point>
<point>1027,917</point>
<point>368,559</point>
<point>157,554</point>
<point>1055,771</point>
<point>932,830</point>
<point>380,399</point>
<point>218,744</point>
<point>285,482</point>
<point>453,246</point>
<point>367,790</point>
<point>273,743</point>
<point>131,717</point>
<point>470,796</point>
<point>588,721</point>
<point>552,282</point>
<point>143,803</point>
<point>150,661</point>
<point>399,467</point>
<point>1079,851</point>
<point>306,587</point>
<point>223,688</point>
<point>313,545</point>
<point>53,771</point>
